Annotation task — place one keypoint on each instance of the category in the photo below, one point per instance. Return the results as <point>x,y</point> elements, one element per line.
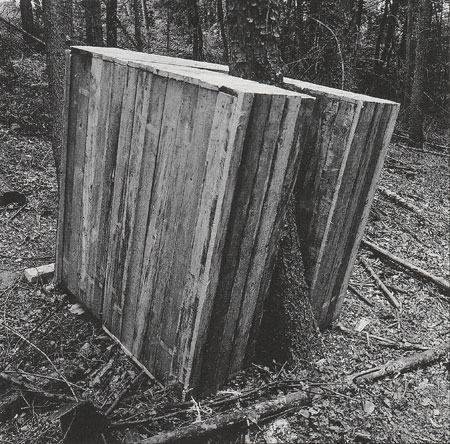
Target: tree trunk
<point>253,34</point>
<point>196,29</point>
<point>111,23</point>
<point>145,19</point>
<point>94,31</point>
<point>57,20</point>
<point>253,28</point>
<point>416,114</point>
<point>223,33</point>
<point>409,44</point>
<point>137,26</point>
<point>26,14</point>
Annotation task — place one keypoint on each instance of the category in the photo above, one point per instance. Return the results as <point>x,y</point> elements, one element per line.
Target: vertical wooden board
<point>129,191</point>
<point>97,264</point>
<point>256,191</point>
<point>252,147</point>
<point>134,264</point>
<point>365,143</point>
<point>94,182</point>
<point>82,70</point>
<point>63,173</point>
<point>310,179</point>
<point>97,91</point>
<point>154,242</point>
<point>287,153</point>
<point>360,219</point>
<point>306,123</point>
<point>195,165</point>
<point>171,253</point>
<point>331,215</point>
<point>225,146</point>
<point>112,304</point>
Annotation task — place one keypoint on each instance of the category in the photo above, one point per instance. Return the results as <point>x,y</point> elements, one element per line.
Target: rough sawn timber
<point>340,167</point>
<point>174,186</point>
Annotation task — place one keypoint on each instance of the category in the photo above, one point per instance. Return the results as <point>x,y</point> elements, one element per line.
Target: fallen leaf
<point>368,407</point>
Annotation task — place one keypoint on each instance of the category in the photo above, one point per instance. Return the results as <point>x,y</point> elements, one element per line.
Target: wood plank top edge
<point>188,64</point>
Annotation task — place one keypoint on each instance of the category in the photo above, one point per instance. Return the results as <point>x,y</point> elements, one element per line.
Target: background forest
<point>394,49</point>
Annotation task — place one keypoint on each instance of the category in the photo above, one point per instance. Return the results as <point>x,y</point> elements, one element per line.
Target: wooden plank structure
<point>335,187</point>
<point>173,188</point>
<point>340,168</point>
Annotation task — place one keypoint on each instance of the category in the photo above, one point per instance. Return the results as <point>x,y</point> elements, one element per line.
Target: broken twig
<point>234,420</point>
<point>404,345</point>
<point>379,251</point>
<point>402,364</point>
<point>360,295</point>
<point>387,294</point>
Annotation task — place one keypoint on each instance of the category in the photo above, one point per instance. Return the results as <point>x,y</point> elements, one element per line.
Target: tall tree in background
<point>137,25</point>
<point>223,33</point>
<point>289,327</point>
<point>196,29</point>
<point>57,15</point>
<point>409,42</point>
<point>417,95</point>
<point>111,23</point>
<point>94,29</point>
<point>26,14</point>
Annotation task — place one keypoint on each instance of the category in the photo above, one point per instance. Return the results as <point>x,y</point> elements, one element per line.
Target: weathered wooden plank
<point>96,143</point>
<point>42,273</point>
<point>97,264</point>
<point>144,197</point>
<point>63,173</point>
<point>145,322</point>
<point>196,166</point>
<point>280,182</point>
<point>89,176</point>
<point>361,215</point>
<point>81,67</point>
<point>112,313</point>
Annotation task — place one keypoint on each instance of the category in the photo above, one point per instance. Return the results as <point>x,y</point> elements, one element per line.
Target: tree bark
<point>409,45</point>
<point>26,14</point>
<point>221,20</point>
<point>253,28</point>
<point>94,31</point>
<point>416,116</point>
<point>57,24</point>
<point>196,29</point>
<point>137,26</point>
<point>111,23</point>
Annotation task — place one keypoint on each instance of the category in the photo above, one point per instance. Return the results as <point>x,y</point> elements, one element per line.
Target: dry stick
<point>379,251</point>
<point>360,296</point>
<point>34,389</point>
<point>400,201</point>
<point>401,365</point>
<point>17,28</point>
<point>125,390</point>
<point>236,419</point>
<point>405,345</point>
<point>45,355</point>
<point>388,295</point>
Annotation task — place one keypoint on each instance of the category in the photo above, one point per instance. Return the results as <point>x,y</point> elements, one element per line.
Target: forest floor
<point>47,346</point>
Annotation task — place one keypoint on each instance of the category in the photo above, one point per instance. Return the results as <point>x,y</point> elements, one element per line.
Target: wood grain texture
<point>178,179</point>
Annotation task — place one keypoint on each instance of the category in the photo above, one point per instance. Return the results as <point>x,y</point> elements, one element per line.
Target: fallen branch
<point>21,30</point>
<point>379,251</point>
<point>124,391</point>
<point>35,390</point>
<point>402,364</point>
<point>234,420</point>
<point>400,201</point>
<point>387,294</point>
<point>404,345</point>
<point>360,296</point>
